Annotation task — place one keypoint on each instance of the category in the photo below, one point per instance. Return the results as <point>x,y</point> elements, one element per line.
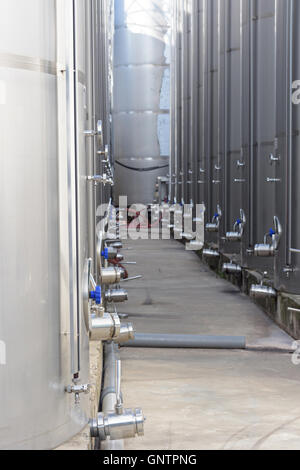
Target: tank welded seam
<point>157,28</point>
<point>131,66</point>
<point>27,63</point>
<point>33,64</point>
<point>161,111</point>
<point>141,170</point>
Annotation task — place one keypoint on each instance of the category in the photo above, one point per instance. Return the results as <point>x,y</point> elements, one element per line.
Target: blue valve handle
<point>272,232</point>
<point>96,295</point>
<point>105,253</point>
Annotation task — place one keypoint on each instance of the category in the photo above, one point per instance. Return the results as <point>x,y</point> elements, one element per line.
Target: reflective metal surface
<point>48,96</point>
<point>141,119</point>
<point>286,148</point>
<point>38,246</point>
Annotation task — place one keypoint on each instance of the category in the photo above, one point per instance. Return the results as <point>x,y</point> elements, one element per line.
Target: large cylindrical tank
<point>259,78</point>
<point>43,335</point>
<point>176,170</point>
<point>141,105</point>
<point>287,145</point>
<point>202,163</point>
<point>233,166</point>
<point>214,163</point>
<point>186,104</point>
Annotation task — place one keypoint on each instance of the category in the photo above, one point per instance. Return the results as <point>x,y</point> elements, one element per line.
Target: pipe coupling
<point>264,251</point>
<point>116,295</point>
<point>233,236</point>
<point>109,328</point>
<point>111,276</point>
<point>127,425</point>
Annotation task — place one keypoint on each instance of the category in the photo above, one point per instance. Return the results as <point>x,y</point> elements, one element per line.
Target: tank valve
<point>231,268</point>
<point>238,229</point>
<point>78,390</point>
<point>116,295</point>
<point>269,249</point>
<point>120,423</point>
<point>214,226</point>
<point>260,291</point>
<point>104,179</point>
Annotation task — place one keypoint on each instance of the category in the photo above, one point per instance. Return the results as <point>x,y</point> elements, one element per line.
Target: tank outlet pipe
<point>233,237</point>
<point>162,341</point>
<point>115,422</point>
<point>111,276</point>
<point>212,228</point>
<point>260,291</point>
<point>109,328</point>
<point>116,295</point>
<point>211,254</point>
<point>231,268</point>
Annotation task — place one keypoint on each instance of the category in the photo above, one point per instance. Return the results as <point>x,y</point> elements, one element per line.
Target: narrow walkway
<point>196,400</point>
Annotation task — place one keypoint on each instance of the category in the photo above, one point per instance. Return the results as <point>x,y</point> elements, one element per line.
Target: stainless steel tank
<point>259,98</point>
<point>195,92</point>
<point>102,19</point>
<point>141,106</point>
<point>186,61</point>
<point>202,164</point>
<point>214,164</point>
<point>177,182</point>
<point>233,165</point>
<point>43,169</point>
<point>285,155</point>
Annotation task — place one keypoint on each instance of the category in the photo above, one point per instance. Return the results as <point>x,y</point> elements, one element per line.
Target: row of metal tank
<point>235,128</point>
<point>59,272</point>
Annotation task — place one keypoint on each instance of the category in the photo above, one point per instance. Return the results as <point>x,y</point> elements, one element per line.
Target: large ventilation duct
<point>141,121</point>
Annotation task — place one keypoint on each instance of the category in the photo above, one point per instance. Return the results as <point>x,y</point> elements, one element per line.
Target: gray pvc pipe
<point>186,342</point>
<point>108,395</point>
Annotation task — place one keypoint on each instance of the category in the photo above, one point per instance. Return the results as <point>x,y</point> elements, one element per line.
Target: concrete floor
<point>196,400</point>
